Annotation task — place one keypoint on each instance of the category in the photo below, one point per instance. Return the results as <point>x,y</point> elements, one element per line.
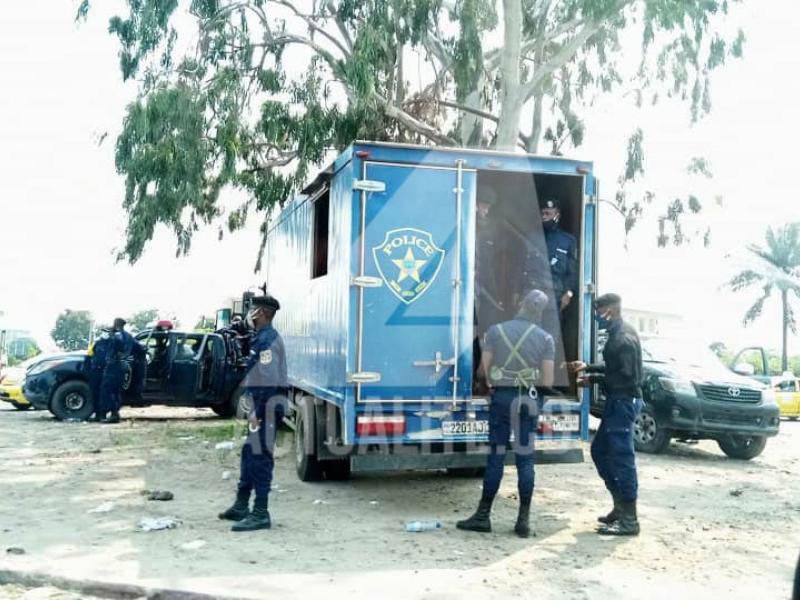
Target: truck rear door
<point>414,342</point>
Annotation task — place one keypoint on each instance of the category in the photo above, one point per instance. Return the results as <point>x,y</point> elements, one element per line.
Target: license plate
<point>561,422</point>
<point>465,427</point>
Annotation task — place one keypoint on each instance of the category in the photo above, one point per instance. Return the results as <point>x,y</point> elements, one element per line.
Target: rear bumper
<point>410,458</point>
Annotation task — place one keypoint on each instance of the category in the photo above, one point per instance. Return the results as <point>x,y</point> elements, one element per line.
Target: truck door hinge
<point>587,199</point>
<point>365,281</point>
<point>589,287</point>
<point>369,185</point>
<point>364,377</point>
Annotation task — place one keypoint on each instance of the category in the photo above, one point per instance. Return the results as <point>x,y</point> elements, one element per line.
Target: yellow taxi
<point>787,394</point>
<point>11,387</point>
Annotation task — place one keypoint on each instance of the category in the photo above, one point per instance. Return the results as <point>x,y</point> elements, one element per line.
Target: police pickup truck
<point>177,369</point>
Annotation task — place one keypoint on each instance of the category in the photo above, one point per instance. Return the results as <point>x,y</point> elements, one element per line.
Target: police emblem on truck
<point>408,261</point>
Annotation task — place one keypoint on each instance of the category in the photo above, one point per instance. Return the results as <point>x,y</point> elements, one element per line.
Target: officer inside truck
<point>559,253</point>
<point>266,382</point>
<point>518,358</point>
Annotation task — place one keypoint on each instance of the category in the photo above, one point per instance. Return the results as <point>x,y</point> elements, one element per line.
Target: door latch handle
<point>437,363</point>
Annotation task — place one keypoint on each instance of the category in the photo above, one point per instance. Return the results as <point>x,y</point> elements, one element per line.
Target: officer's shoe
<point>113,419</point>
<point>627,524</point>
<point>95,419</point>
<point>258,519</point>
<point>240,508</point>
<point>612,516</point>
<point>479,521</point>
<point>522,527</point>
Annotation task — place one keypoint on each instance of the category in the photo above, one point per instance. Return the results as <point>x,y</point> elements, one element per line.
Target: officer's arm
<point>486,364</point>
<point>598,368</point>
<point>627,361</point>
<point>547,377</point>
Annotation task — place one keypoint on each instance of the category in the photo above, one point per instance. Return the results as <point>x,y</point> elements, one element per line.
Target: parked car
<point>689,394</point>
<point>178,369</point>
<point>787,394</point>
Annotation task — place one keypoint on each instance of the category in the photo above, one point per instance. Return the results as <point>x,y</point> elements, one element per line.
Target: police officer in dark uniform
<point>119,361</point>
<point>518,357</point>
<point>266,382</point>
<point>98,357</point>
<point>552,267</point>
<point>620,375</point>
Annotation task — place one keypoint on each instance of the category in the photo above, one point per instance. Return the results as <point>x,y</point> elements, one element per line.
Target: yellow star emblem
<point>409,266</point>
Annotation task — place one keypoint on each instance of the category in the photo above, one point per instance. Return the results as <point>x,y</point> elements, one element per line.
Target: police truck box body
<point>374,265</point>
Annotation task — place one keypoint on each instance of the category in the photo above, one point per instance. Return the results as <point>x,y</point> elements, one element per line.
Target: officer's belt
<point>525,377</point>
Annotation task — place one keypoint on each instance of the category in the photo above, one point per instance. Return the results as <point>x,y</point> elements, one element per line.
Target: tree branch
<point>430,132</point>
<point>313,26</point>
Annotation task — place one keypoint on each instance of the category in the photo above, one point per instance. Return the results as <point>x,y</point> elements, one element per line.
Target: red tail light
<point>381,426</point>
<point>545,427</point>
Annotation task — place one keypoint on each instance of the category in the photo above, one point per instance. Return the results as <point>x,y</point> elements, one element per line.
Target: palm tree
<point>777,267</point>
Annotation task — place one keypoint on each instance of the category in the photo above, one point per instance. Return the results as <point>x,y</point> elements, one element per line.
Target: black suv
<point>178,369</point>
<point>690,395</point>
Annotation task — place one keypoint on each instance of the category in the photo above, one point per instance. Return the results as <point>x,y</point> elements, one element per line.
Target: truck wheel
<point>72,400</point>
<point>229,408</point>
<point>19,406</point>
<point>648,435</point>
<point>308,467</point>
<point>742,447</point>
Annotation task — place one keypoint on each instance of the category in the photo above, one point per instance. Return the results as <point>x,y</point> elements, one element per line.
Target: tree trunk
<point>472,125</point>
<point>511,97</point>
<point>536,130</point>
<point>784,355</point>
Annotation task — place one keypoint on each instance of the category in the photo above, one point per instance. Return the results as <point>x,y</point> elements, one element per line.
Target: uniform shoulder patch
<point>265,357</point>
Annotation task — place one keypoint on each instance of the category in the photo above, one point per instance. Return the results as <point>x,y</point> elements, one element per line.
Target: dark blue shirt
<point>537,347</point>
<point>121,346</point>
<point>100,352</point>
<point>562,259</point>
<point>266,364</point>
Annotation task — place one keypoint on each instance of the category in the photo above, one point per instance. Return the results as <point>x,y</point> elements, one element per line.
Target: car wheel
<point>742,447</point>
<point>306,463</point>
<point>648,435</point>
<point>19,406</point>
<point>72,401</point>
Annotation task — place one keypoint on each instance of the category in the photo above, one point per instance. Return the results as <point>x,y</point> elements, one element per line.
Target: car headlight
<point>43,366</point>
<point>678,386</point>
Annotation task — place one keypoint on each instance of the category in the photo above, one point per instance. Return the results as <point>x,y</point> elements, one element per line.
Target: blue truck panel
<point>379,307</point>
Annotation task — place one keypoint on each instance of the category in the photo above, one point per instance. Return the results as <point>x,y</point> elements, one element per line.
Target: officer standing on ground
<point>561,256</point>
<point>518,358</point>
<point>98,357</point>
<point>119,361</point>
<point>266,381</point>
<point>620,375</point>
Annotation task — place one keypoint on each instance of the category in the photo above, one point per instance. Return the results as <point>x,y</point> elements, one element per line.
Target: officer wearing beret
<point>560,254</point>
<point>266,382</point>
<point>120,357</point>
<point>620,376</point>
<point>518,356</point>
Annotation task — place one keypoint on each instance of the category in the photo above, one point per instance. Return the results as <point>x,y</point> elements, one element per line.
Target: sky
<point>61,216</point>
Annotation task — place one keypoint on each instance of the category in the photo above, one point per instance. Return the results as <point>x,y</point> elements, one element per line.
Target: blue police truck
<point>375,265</point>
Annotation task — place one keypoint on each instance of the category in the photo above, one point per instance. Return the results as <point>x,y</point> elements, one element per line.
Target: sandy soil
<point>712,527</point>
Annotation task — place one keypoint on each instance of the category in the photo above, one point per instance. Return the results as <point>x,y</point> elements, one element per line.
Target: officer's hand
<point>565,300</point>
<point>584,381</point>
<point>576,366</point>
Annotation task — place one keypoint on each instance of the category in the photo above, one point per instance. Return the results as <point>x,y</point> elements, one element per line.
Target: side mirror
<point>745,369</point>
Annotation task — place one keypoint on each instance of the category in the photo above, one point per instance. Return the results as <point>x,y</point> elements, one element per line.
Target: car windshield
<point>684,353</point>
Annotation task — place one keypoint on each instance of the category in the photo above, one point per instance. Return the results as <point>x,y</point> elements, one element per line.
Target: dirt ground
<point>712,527</point>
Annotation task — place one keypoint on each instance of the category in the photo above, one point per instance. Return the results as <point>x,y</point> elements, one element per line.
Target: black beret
<point>607,300</point>
<point>266,302</point>
<point>551,202</point>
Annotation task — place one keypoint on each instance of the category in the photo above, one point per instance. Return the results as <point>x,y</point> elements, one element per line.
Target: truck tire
<point>648,435</point>
<point>72,400</point>
<point>742,447</point>
<point>19,406</point>
<point>229,408</point>
<point>306,463</point>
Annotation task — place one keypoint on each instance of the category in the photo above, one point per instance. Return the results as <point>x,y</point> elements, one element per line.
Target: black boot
<point>96,418</point>
<point>240,508</point>
<point>522,528</point>
<point>113,419</point>
<point>258,519</point>
<point>479,521</point>
<point>627,524</point>
<point>613,516</point>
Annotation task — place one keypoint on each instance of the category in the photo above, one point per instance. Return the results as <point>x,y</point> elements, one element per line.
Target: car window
<point>188,346</point>
<point>787,385</point>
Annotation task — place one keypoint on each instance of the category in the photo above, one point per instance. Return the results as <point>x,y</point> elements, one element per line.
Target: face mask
<point>249,320</point>
<point>550,225</point>
<point>602,322</point>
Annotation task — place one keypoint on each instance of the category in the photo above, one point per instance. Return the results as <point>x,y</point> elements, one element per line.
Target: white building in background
<point>651,323</point>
